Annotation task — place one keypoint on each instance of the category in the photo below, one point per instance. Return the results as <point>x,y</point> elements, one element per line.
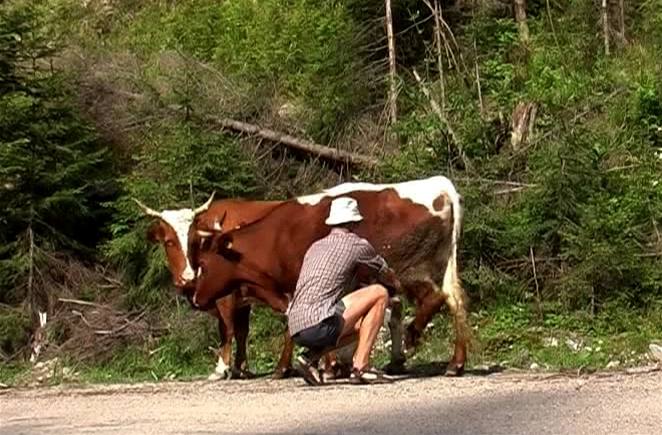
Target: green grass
<point>514,336</point>
<point>511,335</point>
<point>9,373</point>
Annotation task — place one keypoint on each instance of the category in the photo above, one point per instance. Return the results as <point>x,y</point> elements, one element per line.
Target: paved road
<point>494,404</point>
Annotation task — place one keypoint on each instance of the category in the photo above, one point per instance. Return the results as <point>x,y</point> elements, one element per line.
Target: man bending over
<point>322,315</point>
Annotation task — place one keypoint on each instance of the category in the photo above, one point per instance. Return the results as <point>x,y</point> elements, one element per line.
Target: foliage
<point>13,327</point>
<point>53,170</point>
<point>306,53</point>
<point>183,353</point>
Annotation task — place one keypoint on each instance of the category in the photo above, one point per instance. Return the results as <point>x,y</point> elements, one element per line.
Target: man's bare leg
<point>364,314</point>
<point>358,305</point>
<point>370,326</point>
<point>362,319</point>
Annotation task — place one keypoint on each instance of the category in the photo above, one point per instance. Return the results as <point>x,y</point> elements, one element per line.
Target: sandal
<point>369,375</point>
<point>309,372</point>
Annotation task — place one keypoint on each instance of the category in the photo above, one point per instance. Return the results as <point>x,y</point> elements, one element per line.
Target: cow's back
<point>413,234</point>
<point>412,231</point>
<point>411,237</point>
<point>231,214</point>
<point>237,212</point>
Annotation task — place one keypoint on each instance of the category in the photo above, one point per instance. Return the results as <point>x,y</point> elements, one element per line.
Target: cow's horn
<point>218,225</point>
<point>203,233</point>
<point>204,206</point>
<point>148,211</point>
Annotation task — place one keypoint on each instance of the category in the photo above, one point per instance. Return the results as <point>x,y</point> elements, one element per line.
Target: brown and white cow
<point>173,230</point>
<point>415,225</point>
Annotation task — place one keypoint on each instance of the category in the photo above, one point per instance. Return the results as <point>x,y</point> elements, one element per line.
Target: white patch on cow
<point>221,371</point>
<point>422,192</point>
<point>180,221</point>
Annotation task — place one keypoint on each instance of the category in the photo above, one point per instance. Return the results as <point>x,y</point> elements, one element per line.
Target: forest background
<point>546,114</point>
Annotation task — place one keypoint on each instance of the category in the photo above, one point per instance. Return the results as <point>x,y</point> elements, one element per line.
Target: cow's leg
<point>277,302</point>
<point>396,329</point>
<point>241,320</point>
<point>338,363</point>
<point>225,307</point>
<point>428,303</point>
<point>429,299</point>
<point>284,366</point>
<point>328,365</point>
<point>455,299</point>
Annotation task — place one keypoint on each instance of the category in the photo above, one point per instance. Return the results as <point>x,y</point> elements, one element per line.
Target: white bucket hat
<point>343,210</point>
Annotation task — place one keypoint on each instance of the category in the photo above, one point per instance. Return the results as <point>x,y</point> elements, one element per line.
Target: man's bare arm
<point>390,280</point>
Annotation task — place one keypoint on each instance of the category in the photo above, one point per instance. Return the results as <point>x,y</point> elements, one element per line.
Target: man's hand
<point>391,281</point>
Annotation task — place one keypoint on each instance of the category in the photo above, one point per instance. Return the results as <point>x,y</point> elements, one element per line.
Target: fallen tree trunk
<point>300,144</point>
<point>309,147</point>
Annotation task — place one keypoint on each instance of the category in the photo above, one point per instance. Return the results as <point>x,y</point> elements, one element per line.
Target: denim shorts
<point>324,334</point>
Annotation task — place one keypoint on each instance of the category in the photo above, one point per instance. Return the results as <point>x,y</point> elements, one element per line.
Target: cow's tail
<point>452,286</point>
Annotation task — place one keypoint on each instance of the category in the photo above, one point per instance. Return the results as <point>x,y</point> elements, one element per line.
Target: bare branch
<point>391,63</point>
<point>127,324</point>
<point>480,93</point>
<point>535,279</point>
<point>520,18</point>
<point>605,26</point>
<point>437,110</point>
<point>79,302</point>
<point>551,23</point>
<point>511,190</point>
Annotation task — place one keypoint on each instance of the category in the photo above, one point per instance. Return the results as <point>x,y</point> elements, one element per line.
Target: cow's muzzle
<point>196,304</point>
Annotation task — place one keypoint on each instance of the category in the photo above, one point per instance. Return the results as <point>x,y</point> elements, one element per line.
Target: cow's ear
<point>155,232</point>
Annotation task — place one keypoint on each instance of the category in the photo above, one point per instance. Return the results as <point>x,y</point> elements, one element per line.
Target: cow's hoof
<point>239,373</point>
<point>412,338</point>
<point>282,373</point>
<point>245,374</point>
<point>454,369</point>
<point>220,376</point>
<point>395,368</point>
<point>337,371</point>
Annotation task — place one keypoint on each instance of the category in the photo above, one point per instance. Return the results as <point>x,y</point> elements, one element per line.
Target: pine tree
<point>53,170</point>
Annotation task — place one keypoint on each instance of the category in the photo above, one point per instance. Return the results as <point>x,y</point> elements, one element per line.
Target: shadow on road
<point>524,413</point>
<point>438,368</point>
<point>423,370</point>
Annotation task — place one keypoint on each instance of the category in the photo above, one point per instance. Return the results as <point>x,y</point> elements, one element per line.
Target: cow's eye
<point>170,243</point>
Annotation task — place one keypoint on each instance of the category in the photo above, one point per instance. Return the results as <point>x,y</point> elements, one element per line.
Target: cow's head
<point>172,231</point>
<point>218,270</point>
<point>202,235</point>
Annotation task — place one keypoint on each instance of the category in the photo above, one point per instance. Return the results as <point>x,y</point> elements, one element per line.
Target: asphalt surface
<point>608,403</point>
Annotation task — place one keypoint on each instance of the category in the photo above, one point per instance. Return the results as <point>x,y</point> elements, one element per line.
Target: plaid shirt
<point>327,273</point>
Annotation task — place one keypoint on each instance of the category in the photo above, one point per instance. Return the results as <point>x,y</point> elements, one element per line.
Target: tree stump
<point>523,117</point>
